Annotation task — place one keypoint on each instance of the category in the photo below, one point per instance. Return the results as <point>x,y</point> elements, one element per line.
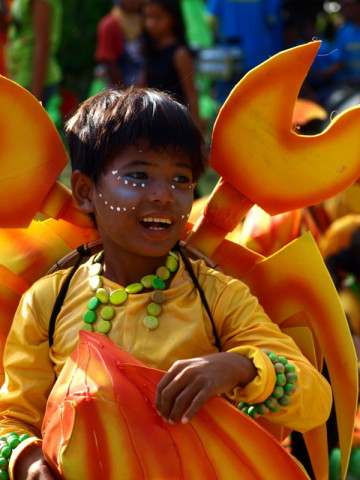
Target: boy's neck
<point>130,268</point>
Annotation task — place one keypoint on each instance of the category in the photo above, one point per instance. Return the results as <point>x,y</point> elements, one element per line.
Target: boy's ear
<point>82,188</point>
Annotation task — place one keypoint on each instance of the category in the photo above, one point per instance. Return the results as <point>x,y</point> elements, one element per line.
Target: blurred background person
<point>118,46</point>
<point>4,24</point>
<point>254,26</point>
<point>34,37</point>
<point>169,62</point>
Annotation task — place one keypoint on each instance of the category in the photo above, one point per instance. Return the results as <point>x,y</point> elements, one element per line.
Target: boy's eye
<point>182,179</point>
<point>137,175</point>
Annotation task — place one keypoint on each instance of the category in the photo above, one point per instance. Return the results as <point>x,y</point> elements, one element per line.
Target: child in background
<point>169,62</point>
<point>118,47</point>
<point>136,155</point>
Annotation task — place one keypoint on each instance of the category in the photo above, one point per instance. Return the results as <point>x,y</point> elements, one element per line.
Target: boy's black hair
<point>109,122</point>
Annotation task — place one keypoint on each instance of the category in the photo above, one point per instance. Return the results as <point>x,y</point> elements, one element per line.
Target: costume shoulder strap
<point>202,296</point>
<point>82,252</point>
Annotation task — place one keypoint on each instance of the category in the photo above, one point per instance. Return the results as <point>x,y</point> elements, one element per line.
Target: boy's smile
<point>142,201</point>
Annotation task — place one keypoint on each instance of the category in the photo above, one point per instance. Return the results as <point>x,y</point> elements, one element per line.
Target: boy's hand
<point>32,466</point>
<point>190,383</point>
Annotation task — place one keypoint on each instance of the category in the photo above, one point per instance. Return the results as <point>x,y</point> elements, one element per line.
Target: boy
<point>136,155</point>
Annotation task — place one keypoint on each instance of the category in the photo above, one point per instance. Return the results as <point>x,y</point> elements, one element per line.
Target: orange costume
<point>273,168</point>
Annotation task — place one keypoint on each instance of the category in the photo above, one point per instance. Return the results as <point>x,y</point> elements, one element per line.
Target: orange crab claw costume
<point>274,168</point>
<point>118,376</point>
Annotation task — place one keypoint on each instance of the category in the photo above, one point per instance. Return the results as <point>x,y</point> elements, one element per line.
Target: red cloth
<point>110,42</point>
<point>2,54</point>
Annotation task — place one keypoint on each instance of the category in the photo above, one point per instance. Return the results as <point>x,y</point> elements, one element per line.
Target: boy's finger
<point>195,406</point>
<point>167,393</point>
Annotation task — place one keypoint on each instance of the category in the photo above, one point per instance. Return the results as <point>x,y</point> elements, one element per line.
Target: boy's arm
<point>245,330</point>
<point>245,325</point>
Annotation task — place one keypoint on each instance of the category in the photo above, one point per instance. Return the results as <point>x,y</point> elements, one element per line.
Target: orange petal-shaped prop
<point>297,275</point>
<point>28,254</point>
<point>12,286</point>
<point>266,234</point>
<point>101,422</point>
<point>32,155</point>
<point>256,149</point>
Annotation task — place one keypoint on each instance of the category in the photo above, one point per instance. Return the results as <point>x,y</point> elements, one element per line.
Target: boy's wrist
<point>19,453</point>
<point>261,387</point>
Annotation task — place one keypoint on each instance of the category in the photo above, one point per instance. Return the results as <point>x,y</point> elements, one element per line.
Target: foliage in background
<point>77,48</point>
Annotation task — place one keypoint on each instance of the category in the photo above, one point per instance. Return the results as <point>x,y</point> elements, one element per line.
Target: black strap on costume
<point>82,251</point>
<point>202,295</point>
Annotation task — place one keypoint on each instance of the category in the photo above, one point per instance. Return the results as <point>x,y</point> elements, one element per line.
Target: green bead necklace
<point>107,301</point>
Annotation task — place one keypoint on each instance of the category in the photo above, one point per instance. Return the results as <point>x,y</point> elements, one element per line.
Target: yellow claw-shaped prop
<point>305,169</point>
<point>261,158</point>
<point>32,157</point>
<point>263,161</point>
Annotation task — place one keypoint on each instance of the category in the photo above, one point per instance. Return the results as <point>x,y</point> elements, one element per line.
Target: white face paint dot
<point>173,187</point>
<point>118,209</point>
<point>143,185</point>
<point>100,195</point>
<point>133,208</point>
<point>134,184</point>
<point>106,202</point>
<point>124,209</point>
<point>114,172</point>
<point>111,207</point>
<point>182,216</point>
<point>126,182</point>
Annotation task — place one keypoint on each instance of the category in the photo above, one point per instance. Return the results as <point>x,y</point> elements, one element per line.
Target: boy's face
<point>142,201</point>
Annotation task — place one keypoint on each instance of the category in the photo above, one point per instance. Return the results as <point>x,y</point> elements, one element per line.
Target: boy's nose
<point>161,191</point>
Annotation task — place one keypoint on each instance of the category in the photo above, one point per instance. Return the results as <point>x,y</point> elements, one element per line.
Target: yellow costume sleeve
<point>244,327</point>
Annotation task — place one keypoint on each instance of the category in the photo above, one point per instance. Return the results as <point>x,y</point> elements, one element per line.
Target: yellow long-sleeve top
<point>184,331</point>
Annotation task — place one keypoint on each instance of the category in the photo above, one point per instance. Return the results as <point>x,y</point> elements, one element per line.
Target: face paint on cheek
<point>128,182</point>
<point>118,203</point>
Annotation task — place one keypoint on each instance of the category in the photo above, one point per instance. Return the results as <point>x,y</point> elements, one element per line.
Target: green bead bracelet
<point>284,388</point>
<point>8,443</point>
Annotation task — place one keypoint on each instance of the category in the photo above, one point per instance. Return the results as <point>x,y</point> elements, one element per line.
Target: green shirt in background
<point>22,42</point>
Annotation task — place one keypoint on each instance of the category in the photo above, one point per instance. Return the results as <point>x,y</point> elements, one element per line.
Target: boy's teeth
<point>157,220</point>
